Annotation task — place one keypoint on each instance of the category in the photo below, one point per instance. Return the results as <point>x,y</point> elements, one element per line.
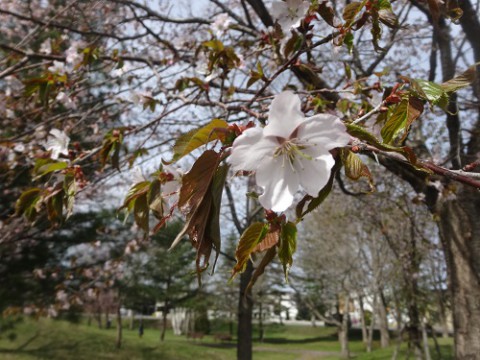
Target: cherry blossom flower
<point>72,55</point>
<point>290,152</point>
<point>46,47</point>
<point>289,13</point>
<point>58,68</point>
<point>65,100</point>
<point>57,143</point>
<point>221,24</point>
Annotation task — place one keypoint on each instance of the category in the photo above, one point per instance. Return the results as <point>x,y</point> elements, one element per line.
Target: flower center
<point>291,150</point>
<point>292,12</point>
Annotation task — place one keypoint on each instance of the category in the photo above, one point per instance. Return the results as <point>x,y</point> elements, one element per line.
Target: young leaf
<point>462,80</point>
<point>271,239</point>
<point>248,241</point>
<point>287,246</point>
<point>355,168</point>
<point>196,182</point>
<point>364,135</point>
<point>326,12</point>
<point>195,138</point>
<point>141,212</point>
<point>398,125</point>
<point>351,10</point>
<point>212,232</point>
<point>27,203</point>
<point>50,167</point>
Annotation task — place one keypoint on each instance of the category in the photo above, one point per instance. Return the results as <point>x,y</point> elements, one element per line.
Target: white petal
<point>314,174</point>
<point>285,115</point>
<point>279,9</point>
<point>279,183</point>
<point>323,132</point>
<point>250,148</point>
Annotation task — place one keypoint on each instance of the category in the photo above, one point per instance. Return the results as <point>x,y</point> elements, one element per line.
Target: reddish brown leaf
<point>271,239</point>
<point>196,182</point>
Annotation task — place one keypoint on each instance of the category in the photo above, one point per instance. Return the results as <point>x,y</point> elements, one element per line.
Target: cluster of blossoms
<point>289,13</point>
<point>290,152</point>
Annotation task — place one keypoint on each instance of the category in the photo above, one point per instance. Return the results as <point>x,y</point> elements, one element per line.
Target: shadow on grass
<point>45,351</point>
<point>224,345</point>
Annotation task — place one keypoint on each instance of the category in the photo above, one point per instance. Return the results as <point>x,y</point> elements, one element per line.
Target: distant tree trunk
<point>99,318</point>
<point>426,348</point>
<point>363,322</point>
<point>245,308</point>
<point>372,325</point>
<point>132,320</point>
<point>230,324</point>
<point>164,322</point>
<point>343,330</point>
<point>119,328</point>
<point>383,320</point>
<point>260,323</point>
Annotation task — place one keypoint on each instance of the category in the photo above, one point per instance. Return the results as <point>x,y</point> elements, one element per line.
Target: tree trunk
<point>164,323</point>
<point>119,328</point>
<point>131,316</point>
<point>383,320</point>
<point>372,325</point>
<point>460,233</point>
<point>426,348</point>
<point>260,323</point>
<point>362,321</point>
<point>245,307</point>
<point>343,330</point>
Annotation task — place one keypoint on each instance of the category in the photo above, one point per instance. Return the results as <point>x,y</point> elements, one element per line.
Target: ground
<point>59,339</point>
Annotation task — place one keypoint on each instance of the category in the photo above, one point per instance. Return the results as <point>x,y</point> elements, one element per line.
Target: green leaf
<point>51,167</point>
<point>195,138</point>
<point>430,91</point>
<point>70,190</point>
<point>27,203</point>
<point>250,238</point>
<point>348,40</point>
<point>398,125</point>
<point>287,246</point>
<point>54,204</point>
<point>362,134</point>
<point>351,10</point>
<point>355,168</point>
<point>293,44</point>
<point>463,80</point>
<point>141,212</point>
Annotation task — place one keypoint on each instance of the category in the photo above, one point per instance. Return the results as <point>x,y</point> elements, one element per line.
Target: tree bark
<point>343,330</point>
<point>164,323</point>
<point>372,325</point>
<point>260,323</point>
<point>383,320</point>
<point>119,328</point>
<point>460,233</point>
<point>245,308</point>
<point>363,321</point>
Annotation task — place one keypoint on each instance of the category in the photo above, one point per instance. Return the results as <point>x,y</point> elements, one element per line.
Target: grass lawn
<point>57,339</point>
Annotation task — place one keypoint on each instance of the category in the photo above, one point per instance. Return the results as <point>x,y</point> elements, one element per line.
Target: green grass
<point>57,339</point>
